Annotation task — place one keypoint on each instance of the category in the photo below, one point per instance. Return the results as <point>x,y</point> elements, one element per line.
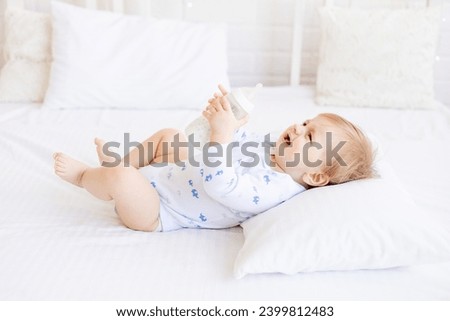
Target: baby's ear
<point>316,179</point>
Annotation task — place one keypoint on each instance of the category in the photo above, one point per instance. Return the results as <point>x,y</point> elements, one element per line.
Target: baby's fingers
<point>206,114</point>
<point>216,97</point>
<point>223,90</point>
<point>212,100</point>
<point>225,103</point>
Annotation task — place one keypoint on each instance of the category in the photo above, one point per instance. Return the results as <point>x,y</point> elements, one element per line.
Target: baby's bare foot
<point>102,158</point>
<point>69,169</point>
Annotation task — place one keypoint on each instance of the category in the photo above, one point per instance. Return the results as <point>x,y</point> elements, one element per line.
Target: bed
<point>59,243</point>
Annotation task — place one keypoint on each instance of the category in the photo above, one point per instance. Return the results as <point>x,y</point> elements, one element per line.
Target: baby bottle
<point>241,101</point>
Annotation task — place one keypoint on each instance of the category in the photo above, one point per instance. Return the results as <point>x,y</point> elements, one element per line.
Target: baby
<point>233,178</point>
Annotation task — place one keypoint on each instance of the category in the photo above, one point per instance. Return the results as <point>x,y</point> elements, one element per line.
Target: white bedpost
<point>297,37</point>
<point>91,4</point>
<point>15,3</point>
<point>118,6</point>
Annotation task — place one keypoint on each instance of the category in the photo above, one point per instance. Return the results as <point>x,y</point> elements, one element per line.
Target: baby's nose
<point>298,128</point>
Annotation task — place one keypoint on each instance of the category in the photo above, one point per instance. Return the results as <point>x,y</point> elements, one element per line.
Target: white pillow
<point>24,76</point>
<point>366,224</point>
<point>377,58</point>
<point>103,59</point>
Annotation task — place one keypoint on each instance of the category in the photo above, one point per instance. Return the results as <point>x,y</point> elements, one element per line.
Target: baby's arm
<point>250,193</point>
<point>240,192</point>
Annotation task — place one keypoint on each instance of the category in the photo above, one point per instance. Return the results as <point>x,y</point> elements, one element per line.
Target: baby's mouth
<point>287,139</point>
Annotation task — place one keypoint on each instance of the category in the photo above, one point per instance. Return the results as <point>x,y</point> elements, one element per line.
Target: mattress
<point>59,243</point>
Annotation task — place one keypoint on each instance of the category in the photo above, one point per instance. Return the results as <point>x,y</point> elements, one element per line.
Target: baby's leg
<point>160,147</point>
<point>136,201</point>
<point>172,148</point>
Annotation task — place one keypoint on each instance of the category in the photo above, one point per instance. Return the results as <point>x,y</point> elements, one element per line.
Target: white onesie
<point>217,195</point>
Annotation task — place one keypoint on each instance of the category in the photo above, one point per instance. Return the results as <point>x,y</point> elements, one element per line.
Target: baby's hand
<point>221,119</point>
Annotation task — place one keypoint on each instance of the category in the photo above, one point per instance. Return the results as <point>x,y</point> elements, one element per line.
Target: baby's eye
<point>310,137</point>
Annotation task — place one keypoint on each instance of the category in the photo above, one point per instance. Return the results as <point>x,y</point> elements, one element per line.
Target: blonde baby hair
<point>357,153</point>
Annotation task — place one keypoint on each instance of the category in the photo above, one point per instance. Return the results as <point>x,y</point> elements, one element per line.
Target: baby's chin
<point>275,157</point>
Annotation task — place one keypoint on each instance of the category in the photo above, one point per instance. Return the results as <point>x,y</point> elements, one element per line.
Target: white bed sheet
<point>59,243</point>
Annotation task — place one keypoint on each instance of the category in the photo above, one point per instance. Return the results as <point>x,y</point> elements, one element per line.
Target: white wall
<point>260,32</point>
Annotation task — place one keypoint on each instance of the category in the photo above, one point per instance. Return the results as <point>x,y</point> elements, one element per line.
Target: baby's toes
<point>97,140</point>
<point>59,167</point>
<point>60,161</point>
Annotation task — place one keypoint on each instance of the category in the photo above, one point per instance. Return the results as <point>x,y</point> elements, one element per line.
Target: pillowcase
<point>366,224</point>
<point>102,59</point>
<point>377,58</point>
<point>24,76</point>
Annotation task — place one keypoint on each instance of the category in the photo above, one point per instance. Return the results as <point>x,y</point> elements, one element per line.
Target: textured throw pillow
<point>24,76</point>
<point>107,60</point>
<point>377,58</point>
<point>366,224</point>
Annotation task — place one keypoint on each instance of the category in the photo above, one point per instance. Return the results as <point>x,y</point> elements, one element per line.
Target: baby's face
<point>302,148</point>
